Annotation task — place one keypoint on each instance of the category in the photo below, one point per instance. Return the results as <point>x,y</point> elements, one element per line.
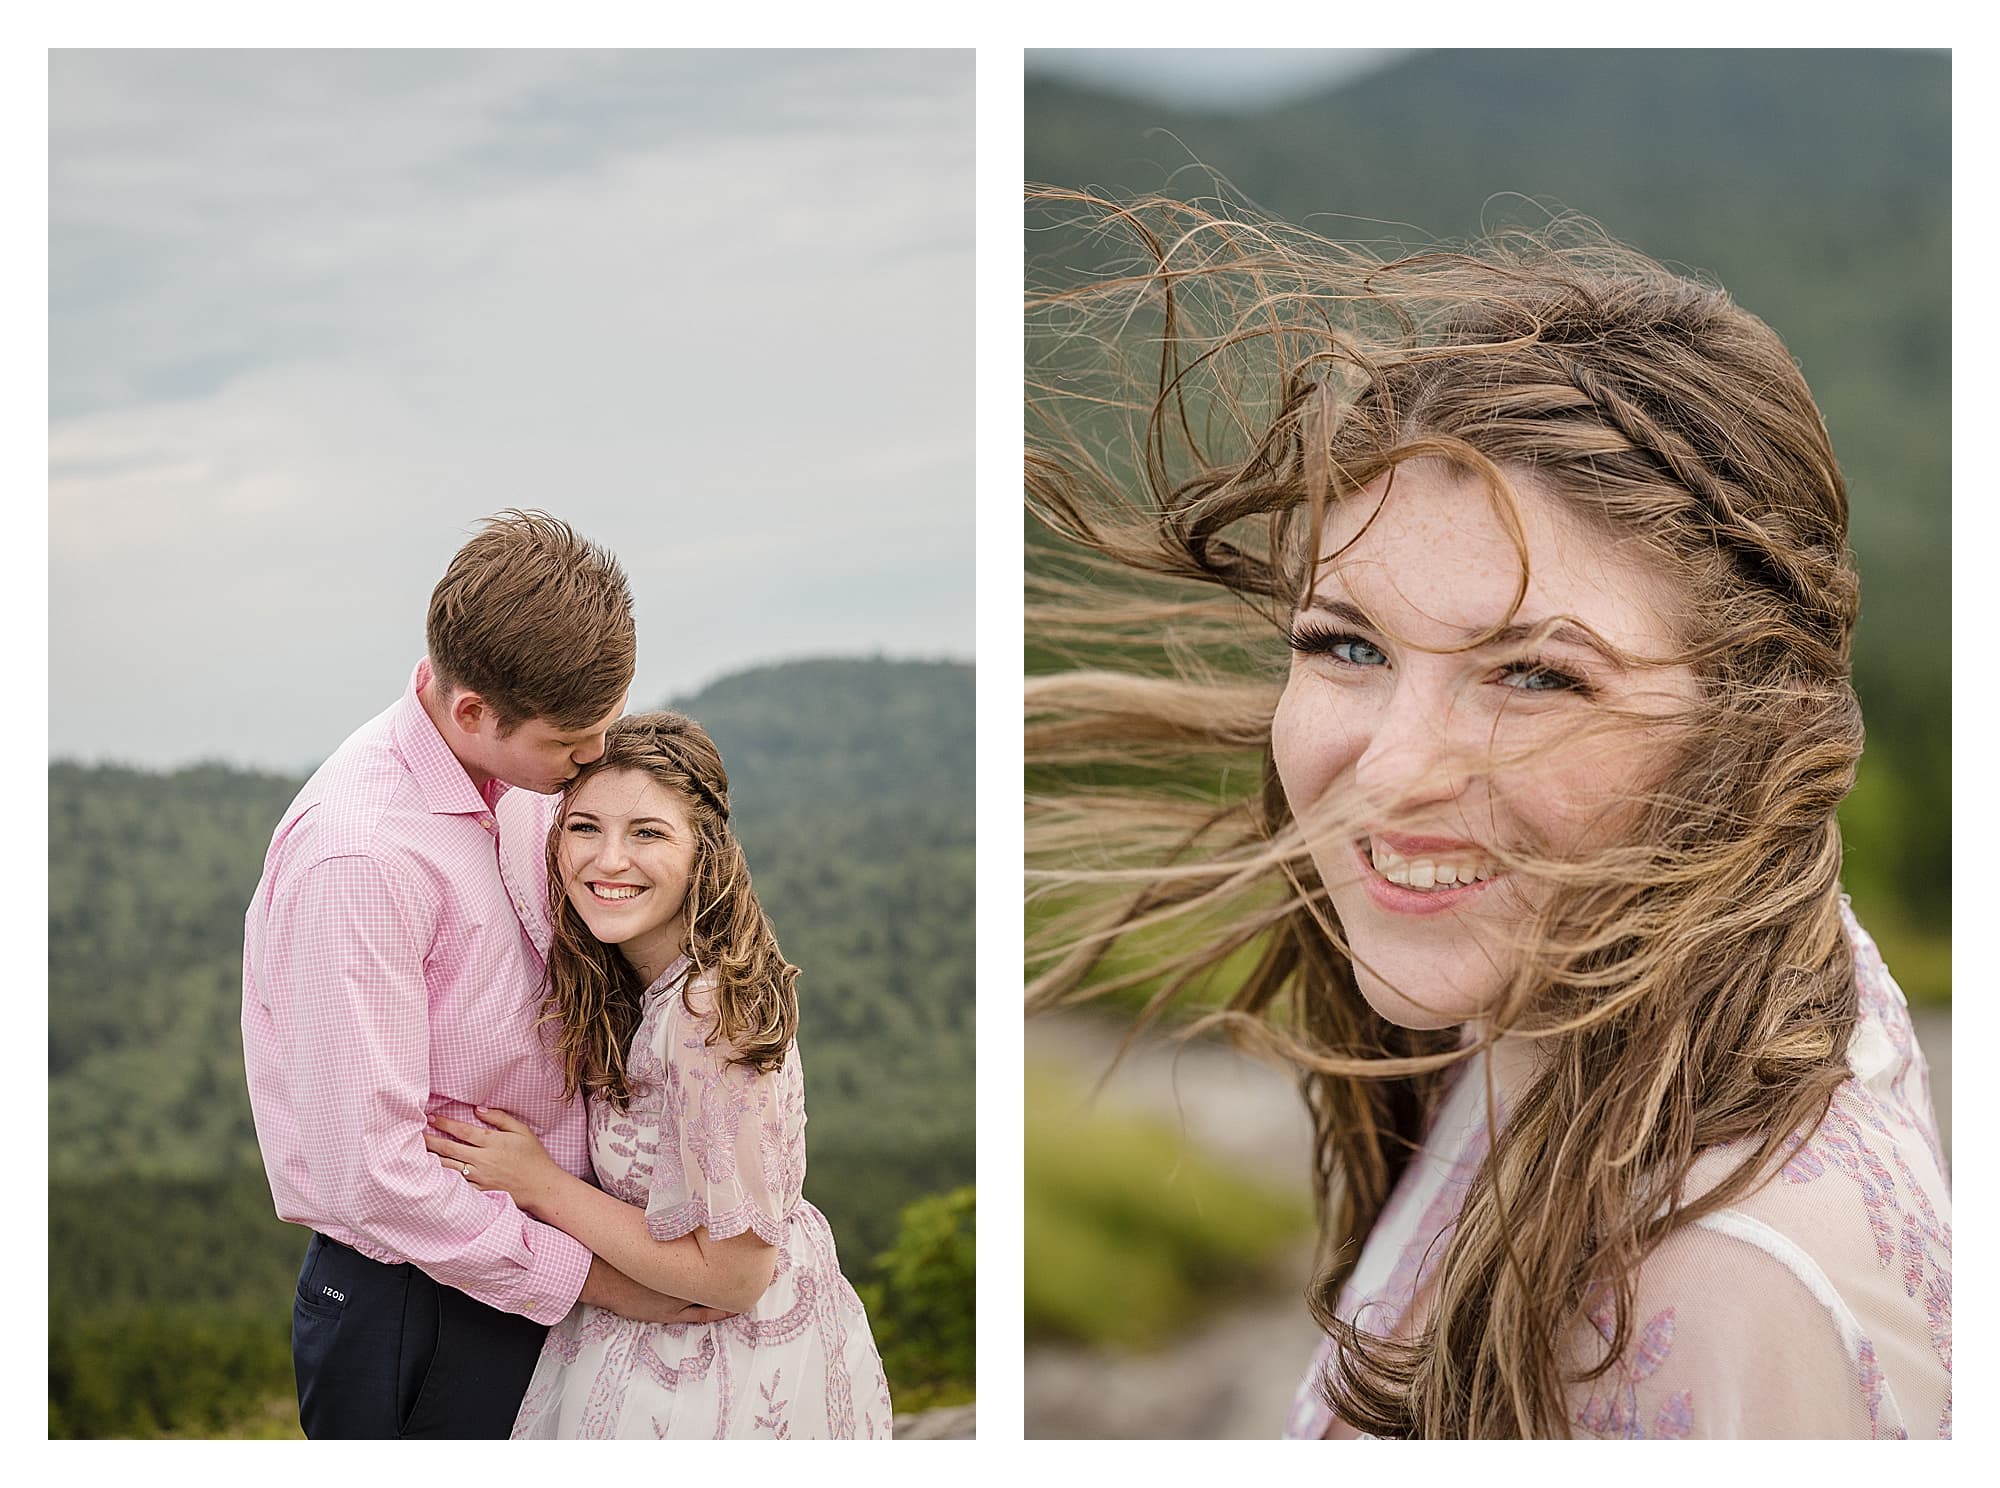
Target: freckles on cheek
<point>1309,741</point>
<point>1286,743</point>
<point>1568,810</point>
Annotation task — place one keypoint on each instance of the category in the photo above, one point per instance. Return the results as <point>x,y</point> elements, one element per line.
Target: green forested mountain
<point>1815,186</point>
<point>852,792</point>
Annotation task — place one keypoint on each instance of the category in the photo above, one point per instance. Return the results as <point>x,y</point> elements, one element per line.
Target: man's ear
<point>469,711</point>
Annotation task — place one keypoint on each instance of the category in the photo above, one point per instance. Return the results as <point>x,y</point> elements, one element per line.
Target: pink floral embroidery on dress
<point>692,1367</point>
<point>775,1421</point>
<point>1419,1260</point>
<point>684,1154</point>
<point>710,1134</point>
<point>1882,1004</point>
<point>1910,1231</point>
<point>1869,1376</point>
<point>1618,1415</point>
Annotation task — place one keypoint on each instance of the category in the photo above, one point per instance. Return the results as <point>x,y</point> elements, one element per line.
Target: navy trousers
<point>385,1351</point>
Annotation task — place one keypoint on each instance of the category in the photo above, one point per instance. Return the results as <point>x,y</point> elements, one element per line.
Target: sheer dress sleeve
<point>1819,1304</point>
<point>1735,1334</point>
<point>732,1148</point>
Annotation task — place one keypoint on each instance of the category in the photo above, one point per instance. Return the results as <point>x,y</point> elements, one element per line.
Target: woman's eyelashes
<point>1349,650</point>
<point>649,834</point>
<point>1539,676</point>
<point>1529,674</point>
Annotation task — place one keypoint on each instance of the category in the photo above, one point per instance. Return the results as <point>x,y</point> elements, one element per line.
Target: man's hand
<point>614,1291</point>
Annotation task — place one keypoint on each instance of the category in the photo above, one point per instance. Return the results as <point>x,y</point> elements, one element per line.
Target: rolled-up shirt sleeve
<point>342,972</point>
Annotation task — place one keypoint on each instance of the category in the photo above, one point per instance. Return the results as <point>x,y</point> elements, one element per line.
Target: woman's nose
<point>1409,756</point>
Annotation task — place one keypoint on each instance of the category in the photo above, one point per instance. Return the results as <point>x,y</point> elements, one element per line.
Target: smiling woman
<point>674,1012</point>
<point>1535,881</point>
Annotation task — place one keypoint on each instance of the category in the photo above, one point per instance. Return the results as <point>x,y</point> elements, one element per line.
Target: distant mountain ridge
<point>871,729</point>
<point>1795,120</point>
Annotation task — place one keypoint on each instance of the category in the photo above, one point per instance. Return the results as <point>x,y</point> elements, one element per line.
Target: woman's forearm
<point>729,1274</point>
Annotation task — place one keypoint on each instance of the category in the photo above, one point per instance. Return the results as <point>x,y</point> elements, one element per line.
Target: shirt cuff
<point>560,1266</point>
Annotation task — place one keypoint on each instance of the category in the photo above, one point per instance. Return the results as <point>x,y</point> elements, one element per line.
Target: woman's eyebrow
<point>1565,633</point>
<point>1349,613</point>
<point>1343,611</point>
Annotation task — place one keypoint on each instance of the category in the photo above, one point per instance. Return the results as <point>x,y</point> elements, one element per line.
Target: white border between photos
<point>1001,916</point>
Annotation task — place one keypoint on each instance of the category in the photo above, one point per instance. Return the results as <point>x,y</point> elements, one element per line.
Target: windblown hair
<point>1193,415</point>
<point>594,995</point>
<point>537,621</point>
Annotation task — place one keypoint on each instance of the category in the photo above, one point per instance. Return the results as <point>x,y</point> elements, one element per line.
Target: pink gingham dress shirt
<point>386,974</point>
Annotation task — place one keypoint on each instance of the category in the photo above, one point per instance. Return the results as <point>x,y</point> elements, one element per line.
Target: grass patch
<point>1130,1234</point>
<point>276,1419</point>
<point>918,1398</point>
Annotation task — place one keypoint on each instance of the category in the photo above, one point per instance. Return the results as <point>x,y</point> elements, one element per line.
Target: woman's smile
<point>619,893</point>
<point>1410,875</point>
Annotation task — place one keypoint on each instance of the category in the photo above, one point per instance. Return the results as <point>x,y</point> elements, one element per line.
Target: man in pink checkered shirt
<point>387,976</point>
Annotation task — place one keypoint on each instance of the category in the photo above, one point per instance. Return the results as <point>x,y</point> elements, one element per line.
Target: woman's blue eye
<point>1532,677</point>
<point>1349,650</point>
<point>582,827</point>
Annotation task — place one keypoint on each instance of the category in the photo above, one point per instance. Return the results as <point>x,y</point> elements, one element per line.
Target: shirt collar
<point>441,780</point>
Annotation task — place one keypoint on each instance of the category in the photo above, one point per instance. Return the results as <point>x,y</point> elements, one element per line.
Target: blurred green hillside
<point>1815,186</point>
<point>1129,1231</point>
<point>170,1279</point>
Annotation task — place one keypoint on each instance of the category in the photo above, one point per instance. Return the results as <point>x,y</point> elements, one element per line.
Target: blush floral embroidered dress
<point>1818,1306</point>
<point>708,1142</point>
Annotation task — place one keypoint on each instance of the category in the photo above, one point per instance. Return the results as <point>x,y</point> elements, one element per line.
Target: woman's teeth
<point>1435,872</point>
<point>617,891</point>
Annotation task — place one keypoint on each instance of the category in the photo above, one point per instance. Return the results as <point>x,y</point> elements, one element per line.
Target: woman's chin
<point>1439,1004</point>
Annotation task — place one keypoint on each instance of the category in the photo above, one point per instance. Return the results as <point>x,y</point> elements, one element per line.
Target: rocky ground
<point>948,1423</point>
<point>1232,1375</point>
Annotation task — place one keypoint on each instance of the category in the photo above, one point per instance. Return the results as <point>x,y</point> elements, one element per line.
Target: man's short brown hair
<point>535,620</point>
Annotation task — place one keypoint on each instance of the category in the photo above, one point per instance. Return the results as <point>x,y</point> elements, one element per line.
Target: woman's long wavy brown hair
<point>1192,415</point>
<point>593,1000</point>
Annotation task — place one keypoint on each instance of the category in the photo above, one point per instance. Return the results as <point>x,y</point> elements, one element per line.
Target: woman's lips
<point>597,892</point>
<point>1410,847</point>
<point>1399,898</point>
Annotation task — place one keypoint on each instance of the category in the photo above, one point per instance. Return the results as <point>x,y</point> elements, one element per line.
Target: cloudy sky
<point>1212,77</point>
<point>313,314</point>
